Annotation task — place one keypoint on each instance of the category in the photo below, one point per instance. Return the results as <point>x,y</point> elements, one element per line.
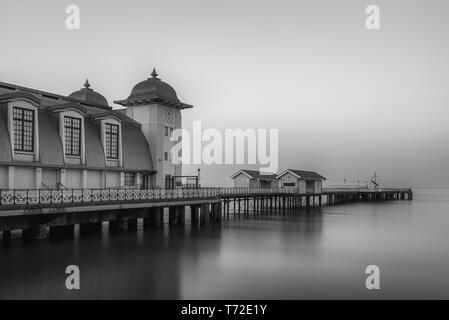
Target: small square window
<point>130,179</point>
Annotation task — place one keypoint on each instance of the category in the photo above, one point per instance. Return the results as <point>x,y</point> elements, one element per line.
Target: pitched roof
<point>254,174</point>
<point>20,94</point>
<point>303,174</point>
<point>48,98</point>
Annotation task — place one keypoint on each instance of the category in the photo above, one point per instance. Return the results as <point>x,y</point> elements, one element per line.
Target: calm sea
<point>322,253</point>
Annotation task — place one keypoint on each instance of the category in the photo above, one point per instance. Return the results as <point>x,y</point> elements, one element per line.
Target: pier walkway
<point>38,212</point>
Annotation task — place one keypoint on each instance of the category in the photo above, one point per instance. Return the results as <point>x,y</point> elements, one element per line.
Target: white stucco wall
<point>73,179</point>
<point>94,179</point>
<point>112,179</point>
<point>3,178</point>
<point>153,120</point>
<point>24,178</point>
<point>50,177</point>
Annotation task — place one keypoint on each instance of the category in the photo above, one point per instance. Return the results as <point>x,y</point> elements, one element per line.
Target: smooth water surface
<point>322,253</point>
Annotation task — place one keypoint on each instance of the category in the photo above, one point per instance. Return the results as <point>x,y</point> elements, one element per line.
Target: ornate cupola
<point>90,96</point>
<point>153,90</point>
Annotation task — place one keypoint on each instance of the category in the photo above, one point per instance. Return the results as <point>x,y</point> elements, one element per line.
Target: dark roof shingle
<point>307,174</point>
<point>136,152</point>
<point>50,146</point>
<point>94,147</point>
<point>254,174</point>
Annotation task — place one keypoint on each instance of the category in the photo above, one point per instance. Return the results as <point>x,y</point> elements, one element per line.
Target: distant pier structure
<point>40,213</point>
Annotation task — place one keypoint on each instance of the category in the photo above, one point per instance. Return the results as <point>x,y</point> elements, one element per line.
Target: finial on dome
<point>87,84</point>
<point>154,73</point>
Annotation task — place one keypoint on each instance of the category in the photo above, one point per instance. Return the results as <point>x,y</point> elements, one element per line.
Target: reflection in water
<point>317,254</point>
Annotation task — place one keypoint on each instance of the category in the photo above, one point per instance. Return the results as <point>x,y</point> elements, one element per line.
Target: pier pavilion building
<point>254,179</point>
<point>304,181</point>
<point>51,141</point>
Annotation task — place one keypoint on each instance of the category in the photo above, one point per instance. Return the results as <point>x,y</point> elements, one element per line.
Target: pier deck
<point>35,211</point>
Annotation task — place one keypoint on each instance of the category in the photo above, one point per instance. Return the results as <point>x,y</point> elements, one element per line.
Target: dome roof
<point>88,95</point>
<point>153,88</point>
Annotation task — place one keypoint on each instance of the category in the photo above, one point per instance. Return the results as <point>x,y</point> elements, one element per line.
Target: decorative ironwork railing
<point>256,191</point>
<point>363,190</point>
<point>49,197</point>
<point>80,196</point>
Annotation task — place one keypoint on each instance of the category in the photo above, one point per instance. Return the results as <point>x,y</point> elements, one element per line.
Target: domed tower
<point>155,105</point>
<point>89,95</point>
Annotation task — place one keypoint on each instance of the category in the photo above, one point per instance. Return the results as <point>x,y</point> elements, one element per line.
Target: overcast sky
<point>347,101</point>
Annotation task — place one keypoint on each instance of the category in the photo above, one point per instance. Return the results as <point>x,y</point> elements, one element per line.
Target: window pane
<point>112,141</point>
<point>72,132</point>
<point>23,125</point>
<point>130,178</point>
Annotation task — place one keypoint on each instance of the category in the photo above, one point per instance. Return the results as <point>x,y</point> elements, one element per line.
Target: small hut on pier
<point>254,179</point>
<point>305,181</point>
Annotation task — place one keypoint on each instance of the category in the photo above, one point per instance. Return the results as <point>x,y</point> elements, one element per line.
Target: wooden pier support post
<point>172,216</point>
<point>62,231</point>
<point>91,228</point>
<point>118,225</point>
<point>6,236</point>
<point>132,224</point>
<point>36,232</point>
<point>154,218</point>
<point>194,214</point>
<point>180,215</point>
<point>204,214</point>
<point>216,212</point>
